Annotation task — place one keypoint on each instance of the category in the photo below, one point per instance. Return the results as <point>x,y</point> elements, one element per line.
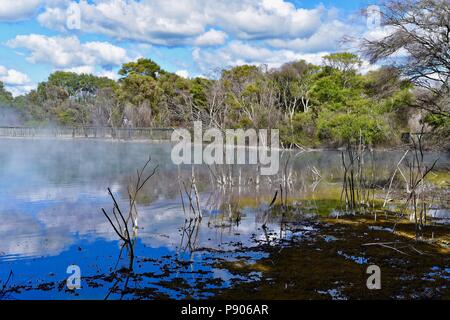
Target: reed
<point>417,197</point>
<point>358,192</point>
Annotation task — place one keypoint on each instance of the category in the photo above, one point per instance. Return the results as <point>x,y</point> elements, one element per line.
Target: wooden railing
<point>89,132</point>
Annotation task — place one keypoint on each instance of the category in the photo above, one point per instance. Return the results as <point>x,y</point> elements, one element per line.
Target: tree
<point>6,97</point>
<point>336,89</point>
<point>294,82</point>
<point>343,61</point>
<point>66,97</point>
<point>106,110</point>
<point>420,29</point>
<point>8,116</point>
<point>250,96</point>
<point>139,96</point>
<point>79,87</point>
<point>176,103</point>
<point>142,67</point>
<point>215,112</point>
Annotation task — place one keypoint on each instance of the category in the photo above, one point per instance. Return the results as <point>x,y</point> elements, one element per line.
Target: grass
<point>439,178</point>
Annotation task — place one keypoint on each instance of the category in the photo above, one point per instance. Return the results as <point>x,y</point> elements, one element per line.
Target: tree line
<point>311,105</point>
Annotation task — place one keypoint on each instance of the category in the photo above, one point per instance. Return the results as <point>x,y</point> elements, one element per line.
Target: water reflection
<point>51,192</point>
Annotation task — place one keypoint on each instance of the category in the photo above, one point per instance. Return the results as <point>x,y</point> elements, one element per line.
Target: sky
<point>189,37</point>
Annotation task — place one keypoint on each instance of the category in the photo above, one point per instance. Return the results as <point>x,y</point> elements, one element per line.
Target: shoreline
<point>166,141</point>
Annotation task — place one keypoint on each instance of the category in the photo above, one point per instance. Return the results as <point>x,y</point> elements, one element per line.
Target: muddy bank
<point>329,258</point>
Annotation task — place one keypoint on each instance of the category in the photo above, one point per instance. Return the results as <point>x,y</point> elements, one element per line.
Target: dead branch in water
<point>386,199</point>
<point>385,246</point>
<point>5,285</point>
<point>120,226</point>
<point>191,193</point>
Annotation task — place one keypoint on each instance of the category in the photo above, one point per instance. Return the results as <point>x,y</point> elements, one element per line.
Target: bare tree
<point>420,29</point>
<point>294,81</point>
<point>216,109</point>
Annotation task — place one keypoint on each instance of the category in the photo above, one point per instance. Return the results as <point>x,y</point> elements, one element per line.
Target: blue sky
<point>190,37</point>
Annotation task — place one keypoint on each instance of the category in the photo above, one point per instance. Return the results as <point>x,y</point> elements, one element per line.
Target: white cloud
<point>211,38</point>
<point>224,32</point>
<point>367,67</point>
<point>164,22</point>
<point>111,74</point>
<point>260,28</point>
<point>81,69</point>
<point>267,19</point>
<point>20,90</point>
<point>18,10</point>
<point>326,38</point>
<point>182,73</point>
<point>13,77</point>
<point>69,52</point>
<point>239,53</point>
<point>15,81</point>
<point>158,22</point>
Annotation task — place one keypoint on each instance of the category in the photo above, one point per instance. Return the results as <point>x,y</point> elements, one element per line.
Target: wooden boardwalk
<point>89,132</point>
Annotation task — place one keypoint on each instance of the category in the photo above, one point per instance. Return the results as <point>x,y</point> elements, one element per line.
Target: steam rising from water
<point>9,117</point>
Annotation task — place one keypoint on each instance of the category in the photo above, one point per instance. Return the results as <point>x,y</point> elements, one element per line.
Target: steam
<point>9,117</point>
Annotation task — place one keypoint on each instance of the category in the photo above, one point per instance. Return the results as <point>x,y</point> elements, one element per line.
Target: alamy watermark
<point>229,147</point>
<point>373,17</point>
<point>374,281</point>
<point>73,282</point>
<point>73,20</point>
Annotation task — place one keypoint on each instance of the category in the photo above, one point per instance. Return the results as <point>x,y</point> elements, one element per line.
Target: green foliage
<point>76,85</point>
<point>347,128</point>
<point>199,90</point>
<point>137,88</point>
<point>310,105</point>
<point>6,97</point>
<point>67,117</point>
<point>343,61</point>
<point>142,67</point>
<point>301,132</point>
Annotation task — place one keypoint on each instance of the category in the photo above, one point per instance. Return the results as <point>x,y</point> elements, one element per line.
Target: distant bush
<point>345,128</point>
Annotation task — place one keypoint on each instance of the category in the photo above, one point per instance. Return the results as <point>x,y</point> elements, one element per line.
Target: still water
<point>52,192</point>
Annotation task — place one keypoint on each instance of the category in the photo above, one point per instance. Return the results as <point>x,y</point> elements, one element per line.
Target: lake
<point>52,192</point>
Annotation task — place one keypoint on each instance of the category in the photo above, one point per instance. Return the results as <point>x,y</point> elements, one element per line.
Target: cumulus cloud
<point>157,22</point>
<point>186,22</point>
<point>326,38</point>
<point>260,28</point>
<point>267,19</point>
<point>18,10</point>
<point>223,32</point>
<point>15,81</point>
<point>239,53</point>
<point>211,38</point>
<point>13,77</point>
<point>80,69</point>
<point>182,73</point>
<point>69,52</point>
